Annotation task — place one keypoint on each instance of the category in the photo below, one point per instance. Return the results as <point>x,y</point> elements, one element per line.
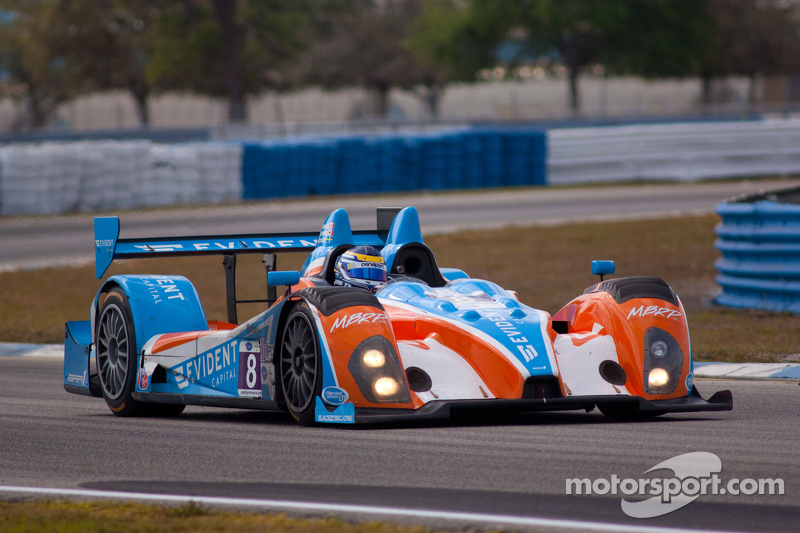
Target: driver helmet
<point>361,267</point>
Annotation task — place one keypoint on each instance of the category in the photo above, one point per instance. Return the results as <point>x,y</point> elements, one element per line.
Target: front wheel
<point>300,368</point>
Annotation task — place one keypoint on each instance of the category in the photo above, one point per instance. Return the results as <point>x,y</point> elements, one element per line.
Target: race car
<point>421,343</point>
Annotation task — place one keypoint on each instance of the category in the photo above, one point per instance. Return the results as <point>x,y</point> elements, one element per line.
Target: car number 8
<point>252,373</point>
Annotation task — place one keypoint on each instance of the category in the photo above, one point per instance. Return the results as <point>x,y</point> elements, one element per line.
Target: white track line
<point>355,509</point>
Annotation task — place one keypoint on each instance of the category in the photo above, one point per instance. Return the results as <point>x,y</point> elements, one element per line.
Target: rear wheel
<point>300,365</point>
<point>115,345</point>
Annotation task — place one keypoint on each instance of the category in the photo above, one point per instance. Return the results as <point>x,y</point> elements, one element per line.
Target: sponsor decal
<point>158,247</point>
<point>505,325</point>
<point>77,378</point>
<point>103,243</point>
<point>689,383</point>
<point>267,351</point>
<point>241,244</point>
<point>326,235</point>
<point>141,379</point>
<point>653,311</point>
<point>356,319</point>
<point>214,367</point>
<point>344,414</point>
<point>334,395</point>
<point>162,287</point>
<point>249,371</point>
<point>695,474</point>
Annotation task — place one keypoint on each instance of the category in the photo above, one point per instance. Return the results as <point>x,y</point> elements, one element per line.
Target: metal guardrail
<point>759,238</point>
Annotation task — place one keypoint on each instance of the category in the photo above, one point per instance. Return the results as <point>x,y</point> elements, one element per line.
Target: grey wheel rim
<point>299,363</point>
<point>112,351</point>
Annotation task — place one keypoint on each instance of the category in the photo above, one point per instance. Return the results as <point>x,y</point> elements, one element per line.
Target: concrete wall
<point>545,98</point>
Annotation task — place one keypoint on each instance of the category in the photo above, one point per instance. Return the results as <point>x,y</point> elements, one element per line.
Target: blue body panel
<point>486,307</point>
<point>77,352</point>
<point>405,229</point>
<point>106,234</point>
<point>161,304</point>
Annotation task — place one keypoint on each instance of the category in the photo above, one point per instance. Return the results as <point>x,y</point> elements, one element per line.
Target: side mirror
<point>283,277</point>
<point>603,268</point>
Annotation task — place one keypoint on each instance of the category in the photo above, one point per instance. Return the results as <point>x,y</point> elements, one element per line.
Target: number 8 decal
<point>252,375</point>
<point>249,375</point>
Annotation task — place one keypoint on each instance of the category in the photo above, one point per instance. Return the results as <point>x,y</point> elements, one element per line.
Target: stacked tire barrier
<point>103,175</point>
<point>455,159</point>
<point>686,151</point>
<point>759,238</point>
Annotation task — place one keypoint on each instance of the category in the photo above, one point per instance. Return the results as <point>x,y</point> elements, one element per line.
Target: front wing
<point>629,405</point>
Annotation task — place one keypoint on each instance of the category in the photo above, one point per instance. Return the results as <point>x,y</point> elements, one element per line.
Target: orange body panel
<point>171,340</point>
<point>344,331</point>
<point>627,323</point>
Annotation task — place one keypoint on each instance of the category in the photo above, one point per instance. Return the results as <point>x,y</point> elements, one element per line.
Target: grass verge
<point>101,517</point>
<point>546,266</point>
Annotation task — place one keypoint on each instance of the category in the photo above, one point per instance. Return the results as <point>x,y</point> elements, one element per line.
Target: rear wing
<point>109,247</point>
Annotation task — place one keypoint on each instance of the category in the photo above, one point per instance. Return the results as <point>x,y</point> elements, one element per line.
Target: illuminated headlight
<point>386,386</point>
<point>377,371</point>
<point>658,377</point>
<point>374,359</point>
<point>663,361</point>
<point>658,349</point>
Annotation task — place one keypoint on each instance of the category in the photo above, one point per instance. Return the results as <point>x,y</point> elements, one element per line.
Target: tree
<point>750,38</point>
<point>106,44</point>
<point>366,46</point>
<point>228,48</point>
<point>29,61</point>
<point>451,45</point>
<point>645,37</point>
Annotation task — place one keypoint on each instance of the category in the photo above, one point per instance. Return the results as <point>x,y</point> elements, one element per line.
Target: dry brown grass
<point>546,266</point>
<point>65,517</point>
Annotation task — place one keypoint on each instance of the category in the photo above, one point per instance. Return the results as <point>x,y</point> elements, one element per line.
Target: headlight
<point>376,370</point>
<point>386,386</point>
<point>374,359</point>
<point>663,361</point>
<point>658,377</point>
<point>658,349</point>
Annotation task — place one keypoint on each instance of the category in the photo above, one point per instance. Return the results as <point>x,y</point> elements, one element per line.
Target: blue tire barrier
<point>759,237</point>
<point>451,159</point>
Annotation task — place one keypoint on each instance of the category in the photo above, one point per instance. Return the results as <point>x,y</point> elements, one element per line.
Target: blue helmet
<point>361,267</point>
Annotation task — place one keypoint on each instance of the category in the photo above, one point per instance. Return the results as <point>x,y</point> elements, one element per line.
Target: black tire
<point>115,344</point>
<point>300,364</point>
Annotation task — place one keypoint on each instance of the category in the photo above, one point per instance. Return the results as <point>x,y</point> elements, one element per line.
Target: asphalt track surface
<point>34,242</point>
<point>503,466</point>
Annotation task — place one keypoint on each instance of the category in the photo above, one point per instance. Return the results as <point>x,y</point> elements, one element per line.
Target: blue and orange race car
<point>428,343</point>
